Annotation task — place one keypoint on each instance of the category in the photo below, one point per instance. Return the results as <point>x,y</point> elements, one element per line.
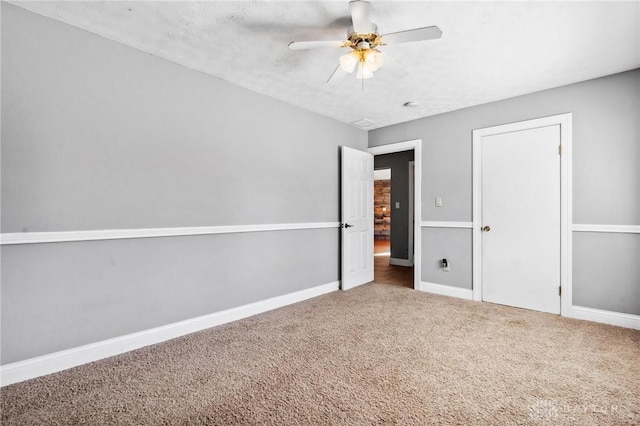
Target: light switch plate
<point>397,204</point>
<point>438,201</point>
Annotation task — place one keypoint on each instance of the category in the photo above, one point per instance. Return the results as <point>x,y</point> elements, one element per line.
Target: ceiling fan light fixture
<point>364,71</point>
<point>374,59</point>
<point>349,61</point>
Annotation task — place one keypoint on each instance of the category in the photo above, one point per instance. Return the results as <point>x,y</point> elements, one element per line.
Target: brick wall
<point>382,209</point>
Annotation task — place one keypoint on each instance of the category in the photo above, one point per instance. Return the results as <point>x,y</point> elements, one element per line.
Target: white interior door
<point>521,218</point>
<point>357,218</point>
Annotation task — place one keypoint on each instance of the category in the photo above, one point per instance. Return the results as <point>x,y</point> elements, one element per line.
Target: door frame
<point>565,123</point>
<point>416,146</point>
<point>412,213</point>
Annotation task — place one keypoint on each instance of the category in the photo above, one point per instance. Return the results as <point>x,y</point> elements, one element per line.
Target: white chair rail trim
<point>623,229</point>
<point>576,227</point>
<point>118,234</point>
<point>446,224</point>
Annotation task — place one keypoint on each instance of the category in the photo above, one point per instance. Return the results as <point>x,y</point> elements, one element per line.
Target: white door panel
<point>357,218</point>
<point>521,205</point>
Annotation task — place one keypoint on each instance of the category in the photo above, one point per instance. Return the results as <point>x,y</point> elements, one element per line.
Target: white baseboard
<point>400,262</point>
<point>58,361</point>
<point>606,317</point>
<point>447,290</point>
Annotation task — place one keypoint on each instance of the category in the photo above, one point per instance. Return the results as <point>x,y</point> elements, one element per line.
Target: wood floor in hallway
<point>389,274</point>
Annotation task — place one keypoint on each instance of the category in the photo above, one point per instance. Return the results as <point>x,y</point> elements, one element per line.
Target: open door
<point>357,217</point>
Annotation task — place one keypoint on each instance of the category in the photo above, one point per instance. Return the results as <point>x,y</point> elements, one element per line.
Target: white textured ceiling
<point>488,51</point>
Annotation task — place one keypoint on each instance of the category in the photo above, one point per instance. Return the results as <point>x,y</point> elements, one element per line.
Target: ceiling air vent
<point>362,123</point>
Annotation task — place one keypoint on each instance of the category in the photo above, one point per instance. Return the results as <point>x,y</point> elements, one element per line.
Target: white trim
<point>395,147</point>
<point>435,224</point>
<point>416,146</point>
<point>400,262</point>
<point>624,229</point>
<point>566,212</point>
<point>447,290</point>
<point>606,317</point>
<point>58,361</point>
<point>412,218</point>
<point>476,214</point>
<point>565,122</point>
<point>117,234</point>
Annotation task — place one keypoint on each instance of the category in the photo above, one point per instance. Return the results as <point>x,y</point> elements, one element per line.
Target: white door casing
<point>522,192</point>
<point>412,219</point>
<point>357,218</point>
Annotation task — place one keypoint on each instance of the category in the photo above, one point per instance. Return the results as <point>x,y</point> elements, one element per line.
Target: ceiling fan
<point>363,40</point>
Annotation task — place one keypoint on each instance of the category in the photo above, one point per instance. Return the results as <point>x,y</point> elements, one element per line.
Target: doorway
<point>521,216</point>
<point>397,169</point>
<point>382,212</point>
<point>385,272</point>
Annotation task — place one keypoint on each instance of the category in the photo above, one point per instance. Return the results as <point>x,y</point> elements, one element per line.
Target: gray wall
<point>97,135</point>
<point>606,179</point>
<point>398,162</point>
<point>63,295</point>
<point>451,244</point>
<point>602,264</point>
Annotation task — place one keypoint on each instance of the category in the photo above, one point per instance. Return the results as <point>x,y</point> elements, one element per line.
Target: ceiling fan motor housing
<point>367,41</point>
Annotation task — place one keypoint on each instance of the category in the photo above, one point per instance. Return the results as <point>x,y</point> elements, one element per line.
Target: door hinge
<point>560,291</point>
<point>559,149</point>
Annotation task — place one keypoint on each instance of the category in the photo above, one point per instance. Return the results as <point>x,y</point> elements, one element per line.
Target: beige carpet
<point>373,355</point>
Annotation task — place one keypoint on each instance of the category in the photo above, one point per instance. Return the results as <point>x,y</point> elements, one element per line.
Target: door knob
<point>486,228</point>
<point>346,225</point>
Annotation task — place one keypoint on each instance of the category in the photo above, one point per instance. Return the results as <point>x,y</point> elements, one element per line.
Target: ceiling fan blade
<point>393,67</point>
<point>302,45</point>
<point>361,16</point>
<point>417,34</point>
<point>338,75</point>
